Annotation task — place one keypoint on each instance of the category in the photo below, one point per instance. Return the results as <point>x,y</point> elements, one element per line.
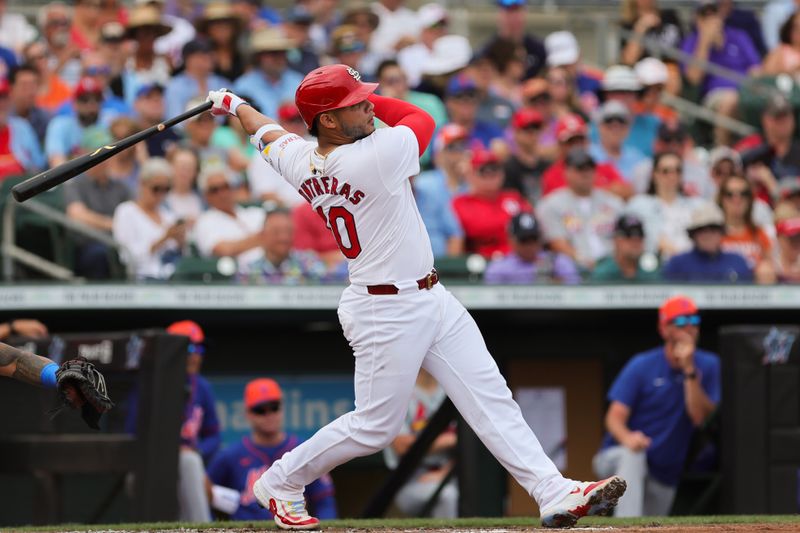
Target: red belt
<point>425,283</point>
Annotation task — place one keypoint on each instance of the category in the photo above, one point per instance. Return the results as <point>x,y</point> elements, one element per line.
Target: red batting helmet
<point>330,87</point>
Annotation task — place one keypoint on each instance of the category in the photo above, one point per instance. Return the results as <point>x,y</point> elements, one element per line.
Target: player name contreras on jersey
<point>363,192</point>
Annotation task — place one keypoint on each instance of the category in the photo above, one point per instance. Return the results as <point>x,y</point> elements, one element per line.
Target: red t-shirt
<point>310,231</point>
<point>9,166</point>
<point>485,221</point>
<point>555,176</point>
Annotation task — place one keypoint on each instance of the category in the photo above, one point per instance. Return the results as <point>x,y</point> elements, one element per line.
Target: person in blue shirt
<point>706,262</point>
<point>62,141</point>
<point>614,126</point>
<point>657,400</point>
<point>196,79</point>
<point>239,466</point>
<point>271,81</point>
<point>462,99</point>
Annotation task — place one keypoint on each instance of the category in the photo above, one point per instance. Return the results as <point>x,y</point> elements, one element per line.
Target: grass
<point>422,523</point>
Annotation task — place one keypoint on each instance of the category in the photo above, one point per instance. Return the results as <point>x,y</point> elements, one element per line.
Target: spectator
<point>398,27</point>
<point>255,15</point>
<point>85,30</point>
<point>23,327</point>
<point>665,211</point>
<point>312,234</point>
<point>721,45</point>
<point>393,83</point>
<point>65,132</point>
<point>8,61</point>
<point>696,180</point>
<point>563,53</point>
<point>433,22</point>
<point>578,220</point>
<point>528,262</point>
<point>621,83</point>
<point>20,152</point>
<point>145,68</point>
<point>270,81</point>
<point>125,166</point>
<point>91,199</point>
<point>435,189</point>
<point>571,132</point>
<point>706,262</point>
<point>614,126</point>
<point>784,58</point>
<point>451,54</point>
<point>302,58</point>
<point>494,107</point>
<point>511,25</point>
<point>742,235</point>
<point>348,49</point>
<point>552,98</point>
<point>183,201</point>
<point>149,110</point>
<point>657,400</point>
<point>200,131</point>
<point>524,167</point>
<point>151,235</point>
<point>789,195</point>
<point>744,20</point>
<point>653,74</point>
<point>181,33</point>
<point>462,106</point>
<point>24,81</point>
<point>96,68</point>
<point>648,22</point>
<point>238,466</point>
<point>15,31</point>
<point>226,229</point>
<point>773,16</point>
<point>196,79</point>
<point>56,58</point>
<point>788,259</point>
<point>358,14</point>
<point>628,262</point>
<point>222,27</point>
<point>437,463</point>
<point>485,211</point>
<point>507,60</point>
<point>115,53</point>
<point>280,264</point>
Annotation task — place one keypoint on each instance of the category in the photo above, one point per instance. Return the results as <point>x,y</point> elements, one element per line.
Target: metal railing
<point>12,253</point>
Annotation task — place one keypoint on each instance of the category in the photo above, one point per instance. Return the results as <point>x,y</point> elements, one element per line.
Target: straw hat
<point>217,12</point>
<point>145,16</point>
<point>270,40</point>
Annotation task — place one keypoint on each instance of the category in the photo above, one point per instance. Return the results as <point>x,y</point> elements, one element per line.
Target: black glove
<point>82,386</point>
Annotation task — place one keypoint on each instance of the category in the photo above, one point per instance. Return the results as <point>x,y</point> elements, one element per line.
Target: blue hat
<point>510,3</point>
<point>147,88</point>
<point>460,84</point>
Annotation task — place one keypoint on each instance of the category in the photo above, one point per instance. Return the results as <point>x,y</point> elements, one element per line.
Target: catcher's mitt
<point>82,386</point>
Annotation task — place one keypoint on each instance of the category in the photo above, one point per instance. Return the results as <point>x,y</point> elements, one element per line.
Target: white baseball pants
<point>391,337</point>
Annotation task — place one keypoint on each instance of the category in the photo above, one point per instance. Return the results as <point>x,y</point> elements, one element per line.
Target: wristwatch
<point>690,375</point>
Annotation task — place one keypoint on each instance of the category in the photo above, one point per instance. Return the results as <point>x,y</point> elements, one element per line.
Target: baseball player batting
<point>395,314</point>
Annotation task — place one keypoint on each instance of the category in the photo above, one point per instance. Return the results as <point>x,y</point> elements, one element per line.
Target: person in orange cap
<point>239,466</point>
<point>655,403</point>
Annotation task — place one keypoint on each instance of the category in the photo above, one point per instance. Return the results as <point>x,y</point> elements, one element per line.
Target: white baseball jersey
<point>363,191</point>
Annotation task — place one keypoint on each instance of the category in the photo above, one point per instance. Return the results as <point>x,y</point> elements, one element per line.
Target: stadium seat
<point>204,269</point>
<point>460,268</point>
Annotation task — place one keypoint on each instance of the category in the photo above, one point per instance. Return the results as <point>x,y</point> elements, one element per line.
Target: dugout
<point>575,338</point>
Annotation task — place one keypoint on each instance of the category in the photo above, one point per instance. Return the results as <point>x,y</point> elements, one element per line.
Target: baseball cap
<point>789,227</point>
<point>450,53</point>
<point>704,216</point>
<point>789,186</point>
<point>629,226</point>
<point>188,328</point>
<point>675,307</point>
<point>579,157</point>
<point>613,109</point>
<point>651,71</point>
<point>288,111</point>
<point>448,134</point>
<point>260,391</point>
<point>482,157</point>
<point>777,104</point>
<point>271,40</point>
<point>524,226</point>
<point>5,88</point>
<point>88,86</point>
<point>672,131</point>
<point>431,14</point>
<point>196,46</point>
<point>461,84</point>
<point>148,88</point>
<point>526,116</point>
<point>562,49</point>
<point>620,78</point>
<point>724,153</point>
<point>534,87</point>
<point>570,126</point>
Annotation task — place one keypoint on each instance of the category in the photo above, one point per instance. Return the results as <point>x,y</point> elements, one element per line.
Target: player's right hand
<point>224,102</point>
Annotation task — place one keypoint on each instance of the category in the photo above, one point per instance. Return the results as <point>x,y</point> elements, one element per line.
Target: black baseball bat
<point>58,175</point>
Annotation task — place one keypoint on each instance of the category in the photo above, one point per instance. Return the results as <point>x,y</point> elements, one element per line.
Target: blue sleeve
<point>742,268</point>
<point>320,496</point>
<point>625,388</point>
<point>173,102</point>
<point>671,271</point>
<point>219,471</point>
<point>57,138</point>
<point>450,223</point>
<point>209,438</point>
<point>712,378</point>
<point>751,54</point>
<point>31,144</point>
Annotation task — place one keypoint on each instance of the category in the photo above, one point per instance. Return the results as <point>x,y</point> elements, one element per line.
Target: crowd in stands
<point>553,170</point>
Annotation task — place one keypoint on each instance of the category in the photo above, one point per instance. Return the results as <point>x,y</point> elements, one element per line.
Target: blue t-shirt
<point>435,204</point>
<point>725,267</point>
<point>653,391</point>
<point>240,465</point>
<point>642,136</point>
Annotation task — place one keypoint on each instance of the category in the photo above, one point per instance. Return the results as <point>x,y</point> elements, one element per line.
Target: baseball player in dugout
<point>395,314</point>
<point>655,403</point>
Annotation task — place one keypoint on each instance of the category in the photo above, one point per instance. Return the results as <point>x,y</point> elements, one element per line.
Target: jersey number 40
<point>335,214</point>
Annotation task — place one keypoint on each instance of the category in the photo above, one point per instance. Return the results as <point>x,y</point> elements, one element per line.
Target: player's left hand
<point>82,386</point>
<point>224,102</point>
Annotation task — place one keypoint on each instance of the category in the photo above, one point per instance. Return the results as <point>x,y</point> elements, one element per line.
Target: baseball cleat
<point>287,515</point>
<point>590,498</point>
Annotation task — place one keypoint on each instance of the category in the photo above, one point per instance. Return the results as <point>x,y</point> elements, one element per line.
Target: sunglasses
<point>58,22</point>
<point>540,99</point>
<point>218,188</point>
<point>631,234</point>
<point>197,349</point>
<point>615,120</point>
<point>672,138</point>
<point>266,407</point>
<point>585,167</point>
<point>685,320</point>
<point>393,80</point>
<point>535,126</point>
<point>455,147</point>
<point>491,168</point>
<point>577,139</point>
<point>160,189</point>
<point>740,194</point>
<point>89,99</point>
<point>465,95</point>
<point>670,170</point>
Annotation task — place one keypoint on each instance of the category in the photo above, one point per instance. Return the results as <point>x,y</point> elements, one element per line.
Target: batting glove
<point>224,102</point>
